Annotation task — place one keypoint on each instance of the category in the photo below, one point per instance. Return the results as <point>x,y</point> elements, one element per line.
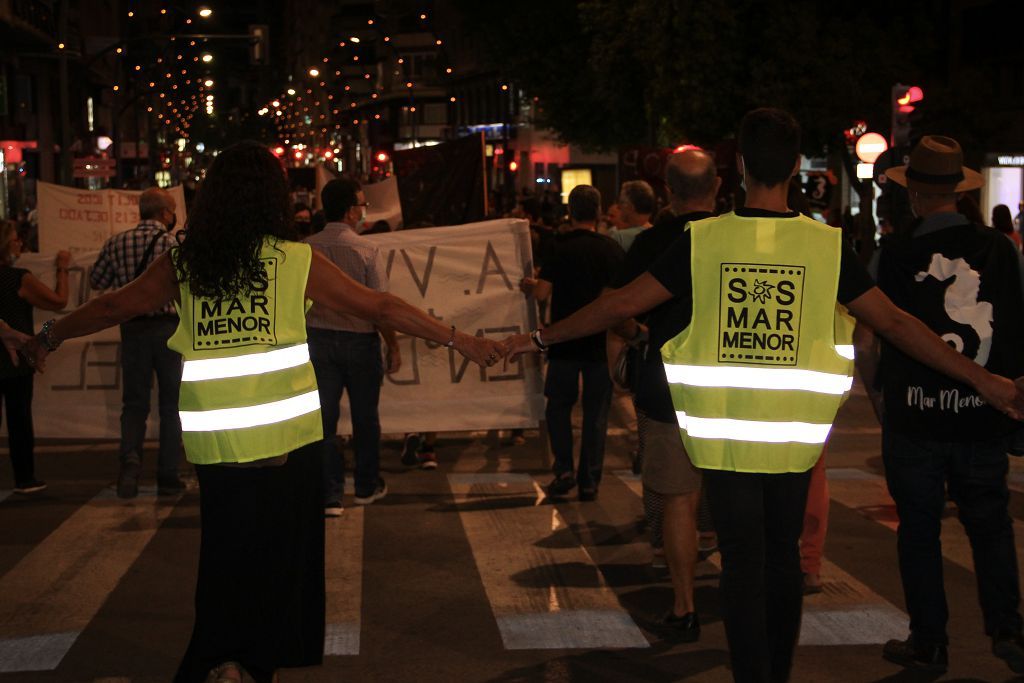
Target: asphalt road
<point>465,573</point>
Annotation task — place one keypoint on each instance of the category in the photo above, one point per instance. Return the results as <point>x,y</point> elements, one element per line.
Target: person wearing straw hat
<point>963,281</point>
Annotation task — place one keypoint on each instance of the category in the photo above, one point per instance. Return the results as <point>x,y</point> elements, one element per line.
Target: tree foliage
<point>609,73</point>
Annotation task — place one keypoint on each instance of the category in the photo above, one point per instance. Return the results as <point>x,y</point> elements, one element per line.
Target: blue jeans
<point>561,387</point>
<point>348,361</point>
<point>918,472</point>
<point>144,352</point>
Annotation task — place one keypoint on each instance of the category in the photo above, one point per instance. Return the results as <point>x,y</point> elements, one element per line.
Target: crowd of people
<point>733,333</point>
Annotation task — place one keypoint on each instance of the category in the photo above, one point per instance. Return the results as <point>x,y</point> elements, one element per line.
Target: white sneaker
<point>378,493</point>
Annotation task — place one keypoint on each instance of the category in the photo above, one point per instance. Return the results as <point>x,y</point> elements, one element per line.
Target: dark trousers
<point>759,518</point>
<point>561,387</point>
<point>260,597</point>
<point>144,352</point>
<point>349,361</point>
<point>919,473</point>
<point>17,397</point>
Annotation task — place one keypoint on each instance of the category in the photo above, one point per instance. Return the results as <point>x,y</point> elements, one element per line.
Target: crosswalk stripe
<point>53,593</point>
<point>522,565</point>
<point>344,575</point>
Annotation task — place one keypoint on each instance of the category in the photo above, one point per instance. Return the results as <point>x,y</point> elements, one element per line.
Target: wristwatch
<point>537,341</point>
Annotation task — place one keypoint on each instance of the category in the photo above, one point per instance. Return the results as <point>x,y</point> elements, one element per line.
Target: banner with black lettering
<point>465,276</point>
<point>81,220</point>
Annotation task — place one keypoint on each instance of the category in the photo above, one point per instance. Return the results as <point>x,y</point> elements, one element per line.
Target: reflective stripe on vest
<point>779,379</point>
<point>243,366</point>
<point>757,377</point>
<point>753,430</point>
<point>249,416</point>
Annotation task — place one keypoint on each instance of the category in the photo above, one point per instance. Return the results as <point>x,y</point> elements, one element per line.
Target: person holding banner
<point>144,351</point>
<point>250,409</point>
<point>20,291</point>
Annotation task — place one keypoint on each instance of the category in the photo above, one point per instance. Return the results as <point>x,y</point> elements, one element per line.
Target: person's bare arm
<point>330,286</point>
<point>639,296</point>
<point>394,353</point>
<point>39,295</point>
<point>913,337</point>
<point>149,292</point>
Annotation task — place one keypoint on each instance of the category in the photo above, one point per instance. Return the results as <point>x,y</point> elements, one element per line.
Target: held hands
<point>13,340</point>
<point>481,350</point>
<point>35,354</point>
<point>1004,395</point>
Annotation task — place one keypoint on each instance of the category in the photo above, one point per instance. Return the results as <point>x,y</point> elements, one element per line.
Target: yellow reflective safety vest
<point>756,378</point>
<point>248,390</point>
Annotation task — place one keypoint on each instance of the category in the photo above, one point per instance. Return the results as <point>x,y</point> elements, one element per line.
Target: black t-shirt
<point>672,270</point>
<point>17,313</point>
<point>579,265</point>
<point>650,388</point>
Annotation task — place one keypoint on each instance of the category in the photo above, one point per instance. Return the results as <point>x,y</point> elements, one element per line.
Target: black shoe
<point>170,487</point>
<point>1009,646</point>
<point>410,448</point>
<point>30,486</point>
<point>128,480</point>
<point>560,486</point>
<point>923,657</point>
<point>588,493</point>
<point>377,494</point>
<point>685,629</point>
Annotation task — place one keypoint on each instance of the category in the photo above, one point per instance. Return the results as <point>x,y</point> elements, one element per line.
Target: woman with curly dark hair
<point>250,410</point>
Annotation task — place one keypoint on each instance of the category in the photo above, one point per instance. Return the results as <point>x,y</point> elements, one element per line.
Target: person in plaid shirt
<point>144,346</point>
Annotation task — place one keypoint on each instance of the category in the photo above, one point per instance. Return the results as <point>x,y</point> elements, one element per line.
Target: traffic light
<point>259,44</point>
<point>904,100</point>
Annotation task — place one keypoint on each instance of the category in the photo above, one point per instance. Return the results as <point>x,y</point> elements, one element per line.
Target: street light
<point>205,12</point>
<point>207,58</point>
<point>208,82</point>
<point>314,72</point>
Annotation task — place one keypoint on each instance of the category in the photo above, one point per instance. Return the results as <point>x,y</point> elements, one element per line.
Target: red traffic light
<point>278,151</point>
<point>382,157</point>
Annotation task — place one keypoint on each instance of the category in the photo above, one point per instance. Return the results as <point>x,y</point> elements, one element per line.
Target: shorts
<point>667,467</point>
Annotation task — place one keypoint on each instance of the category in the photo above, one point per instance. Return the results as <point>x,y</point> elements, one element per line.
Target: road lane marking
<point>545,590</point>
<point>344,581</point>
<point>53,593</point>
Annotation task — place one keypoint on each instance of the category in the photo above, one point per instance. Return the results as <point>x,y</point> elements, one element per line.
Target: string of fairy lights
<point>175,83</point>
<point>318,102</point>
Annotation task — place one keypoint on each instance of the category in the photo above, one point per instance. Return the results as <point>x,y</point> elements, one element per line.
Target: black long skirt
<point>260,596</point>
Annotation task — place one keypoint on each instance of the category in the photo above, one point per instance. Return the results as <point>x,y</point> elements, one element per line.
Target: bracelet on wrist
<point>451,340</point>
<point>537,341</point>
<point>46,336</point>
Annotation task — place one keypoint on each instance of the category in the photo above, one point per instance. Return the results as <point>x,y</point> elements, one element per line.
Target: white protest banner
<point>384,204</point>
<point>465,275</point>
<point>80,220</point>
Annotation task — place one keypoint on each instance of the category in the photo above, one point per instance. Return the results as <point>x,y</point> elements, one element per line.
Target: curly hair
<point>243,200</point>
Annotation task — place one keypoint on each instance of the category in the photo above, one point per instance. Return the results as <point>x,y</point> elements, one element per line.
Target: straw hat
<point>936,167</point>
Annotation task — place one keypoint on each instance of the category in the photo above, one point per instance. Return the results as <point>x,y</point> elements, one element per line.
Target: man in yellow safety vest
<point>756,379</point>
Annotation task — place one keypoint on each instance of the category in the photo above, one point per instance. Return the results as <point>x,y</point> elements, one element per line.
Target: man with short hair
<point>346,352</point>
<point>756,380</point>
<point>581,263</point>
<point>668,475</point>
<point>939,435</point>
<point>144,350</point>
<point>637,205</point>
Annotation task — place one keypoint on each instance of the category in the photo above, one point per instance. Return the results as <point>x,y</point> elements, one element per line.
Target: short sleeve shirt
<point>580,264</point>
